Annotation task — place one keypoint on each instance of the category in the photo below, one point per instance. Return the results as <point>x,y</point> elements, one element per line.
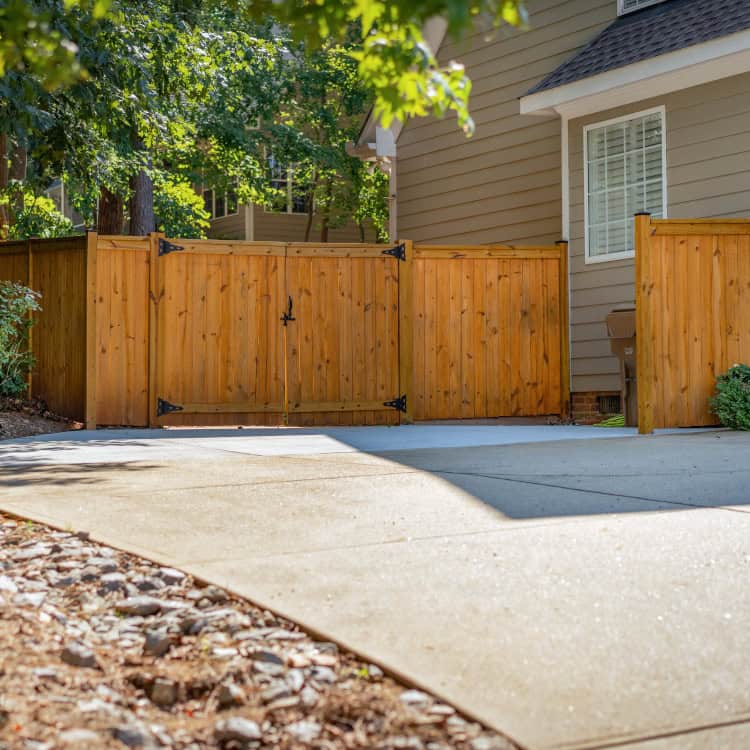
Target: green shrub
<point>731,404</point>
<point>39,218</point>
<point>16,304</point>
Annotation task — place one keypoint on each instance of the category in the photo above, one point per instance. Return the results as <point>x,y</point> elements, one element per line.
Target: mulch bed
<point>102,649</point>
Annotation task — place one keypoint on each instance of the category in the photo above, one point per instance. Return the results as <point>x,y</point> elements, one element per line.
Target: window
<point>219,205</point>
<point>624,174</point>
<point>292,197</point>
<point>628,6</point>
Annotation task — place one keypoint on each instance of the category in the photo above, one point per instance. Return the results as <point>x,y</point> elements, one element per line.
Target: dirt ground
<point>21,418</point>
<point>102,649</point>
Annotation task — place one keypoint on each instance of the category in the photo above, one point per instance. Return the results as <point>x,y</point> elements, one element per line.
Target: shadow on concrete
<point>523,472</point>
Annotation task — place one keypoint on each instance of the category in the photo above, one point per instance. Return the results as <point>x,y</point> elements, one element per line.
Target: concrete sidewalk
<point>577,593</point>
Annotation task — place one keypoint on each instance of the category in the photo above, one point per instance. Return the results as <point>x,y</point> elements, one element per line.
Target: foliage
<point>394,59</point>
<point>371,184</point>
<point>179,209</point>
<point>36,38</point>
<point>731,404</point>
<point>39,217</point>
<point>16,304</point>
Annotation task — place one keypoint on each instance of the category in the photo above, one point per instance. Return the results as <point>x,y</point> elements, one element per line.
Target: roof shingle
<point>666,27</point>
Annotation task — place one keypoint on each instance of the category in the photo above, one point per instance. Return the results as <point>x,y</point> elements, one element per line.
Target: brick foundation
<point>585,406</point>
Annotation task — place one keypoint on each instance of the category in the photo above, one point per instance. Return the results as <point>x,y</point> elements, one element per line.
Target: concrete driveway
<point>573,592</point>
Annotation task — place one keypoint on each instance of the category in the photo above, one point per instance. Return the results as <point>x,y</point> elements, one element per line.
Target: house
<point>599,110</point>
<point>285,221</point>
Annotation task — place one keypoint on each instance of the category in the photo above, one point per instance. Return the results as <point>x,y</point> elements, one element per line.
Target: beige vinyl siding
<point>503,184</point>
<point>279,227</point>
<point>230,227</point>
<point>708,175</point>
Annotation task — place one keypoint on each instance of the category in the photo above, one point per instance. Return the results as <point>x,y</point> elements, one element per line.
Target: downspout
<point>565,228</point>
<point>392,202</point>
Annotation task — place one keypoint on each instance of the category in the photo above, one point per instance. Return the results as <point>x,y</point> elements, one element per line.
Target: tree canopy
<point>135,102</point>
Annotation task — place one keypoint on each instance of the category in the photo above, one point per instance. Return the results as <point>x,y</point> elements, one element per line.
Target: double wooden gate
<point>249,332</point>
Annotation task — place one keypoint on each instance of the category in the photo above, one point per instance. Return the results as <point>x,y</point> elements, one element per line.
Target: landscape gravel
<point>102,649</point>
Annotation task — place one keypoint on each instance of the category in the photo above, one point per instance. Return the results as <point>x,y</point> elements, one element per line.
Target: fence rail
<point>177,331</point>
<point>692,315</point>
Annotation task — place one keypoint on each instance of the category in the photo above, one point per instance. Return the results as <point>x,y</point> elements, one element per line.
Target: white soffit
<point>434,33</point>
<point>701,63</point>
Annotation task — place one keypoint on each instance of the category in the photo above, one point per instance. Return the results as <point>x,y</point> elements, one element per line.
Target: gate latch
<point>287,316</point>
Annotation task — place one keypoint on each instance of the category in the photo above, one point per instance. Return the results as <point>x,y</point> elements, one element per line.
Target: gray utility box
<point>621,330</point>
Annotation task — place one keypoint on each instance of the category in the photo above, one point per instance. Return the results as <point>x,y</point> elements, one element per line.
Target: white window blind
<point>624,175</point>
<point>628,6</point>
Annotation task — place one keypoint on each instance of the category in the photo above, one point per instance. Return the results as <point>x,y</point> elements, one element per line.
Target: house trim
<point>661,110</point>
<point>692,66</point>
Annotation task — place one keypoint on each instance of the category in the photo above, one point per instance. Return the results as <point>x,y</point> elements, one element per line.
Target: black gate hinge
<point>397,252</point>
<point>164,407</point>
<point>399,404</point>
<point>166,247</point>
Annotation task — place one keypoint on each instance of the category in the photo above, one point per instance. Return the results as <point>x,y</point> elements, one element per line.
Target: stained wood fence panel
<point>14,261</point>
<point>490,332</point>
<point>693,315</point>
<point>218,347</point>
<point>58,272</point>
<point>122,300</point>
<point>343,346</point>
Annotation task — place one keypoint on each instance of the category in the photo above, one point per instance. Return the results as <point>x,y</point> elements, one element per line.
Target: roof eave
<point>691,66</point>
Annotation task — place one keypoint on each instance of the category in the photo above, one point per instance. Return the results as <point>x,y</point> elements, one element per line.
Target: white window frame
<point>623,11</point>
<point>660,110</point>
<point>226,213</point>
<point>289,196</point>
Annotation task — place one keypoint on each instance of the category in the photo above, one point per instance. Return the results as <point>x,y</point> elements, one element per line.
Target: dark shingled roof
<point>655,30</point>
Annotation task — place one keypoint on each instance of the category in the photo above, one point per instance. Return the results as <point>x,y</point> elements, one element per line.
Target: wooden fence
<point>490,331</point>
<point>63,334</point>
<point>210,332</point>
<point>692,315</point>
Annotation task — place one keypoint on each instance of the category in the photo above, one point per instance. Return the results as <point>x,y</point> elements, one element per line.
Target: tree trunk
<point>4,177</point>
<point>325,220</point>
<point>310,213</point>
<point>110,213</point>
<point>141,208</point>
<point>361,232</point>
<point>18,164</point>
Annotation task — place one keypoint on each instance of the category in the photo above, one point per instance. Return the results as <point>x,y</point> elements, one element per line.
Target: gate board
<point>218,340</point>
<point>343,344</point>
<point>693,315</point>
<point>488,332</point>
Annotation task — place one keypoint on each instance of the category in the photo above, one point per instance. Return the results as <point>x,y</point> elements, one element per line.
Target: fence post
<point>644,342</point>
<point>564,331</point>
<point>91,358</point>
<point>406,330</point>
<point>153,320</point>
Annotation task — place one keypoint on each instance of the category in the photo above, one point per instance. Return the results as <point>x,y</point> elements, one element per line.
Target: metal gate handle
<point>287,316</point>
